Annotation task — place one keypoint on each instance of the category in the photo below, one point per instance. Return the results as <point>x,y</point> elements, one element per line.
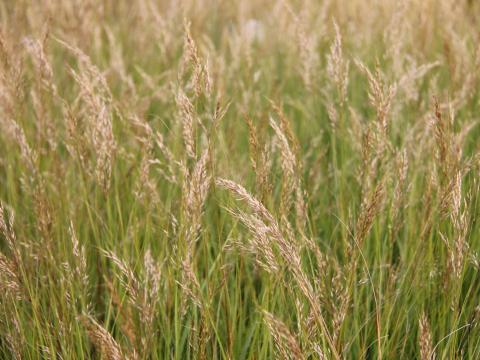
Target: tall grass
<point>239,180</point>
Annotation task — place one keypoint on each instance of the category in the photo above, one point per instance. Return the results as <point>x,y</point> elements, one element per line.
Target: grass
<point>239,180</point>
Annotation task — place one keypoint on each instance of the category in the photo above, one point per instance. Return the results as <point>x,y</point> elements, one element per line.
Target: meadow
<point>254,179</point>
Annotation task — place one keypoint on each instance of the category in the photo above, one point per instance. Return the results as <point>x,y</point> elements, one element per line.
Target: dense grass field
<point>239,179</point>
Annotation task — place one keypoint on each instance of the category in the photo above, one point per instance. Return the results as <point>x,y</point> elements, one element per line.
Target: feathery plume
<point>425,339</point>
<point>200,79</point>
<point>9,278</point>
<point>380,95</point>
<point>97,100</point>
<point>102,339</point>
<point>337,66</point>
<point>188,118</point>
<point>371,206</point>
<point>287,345</point>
